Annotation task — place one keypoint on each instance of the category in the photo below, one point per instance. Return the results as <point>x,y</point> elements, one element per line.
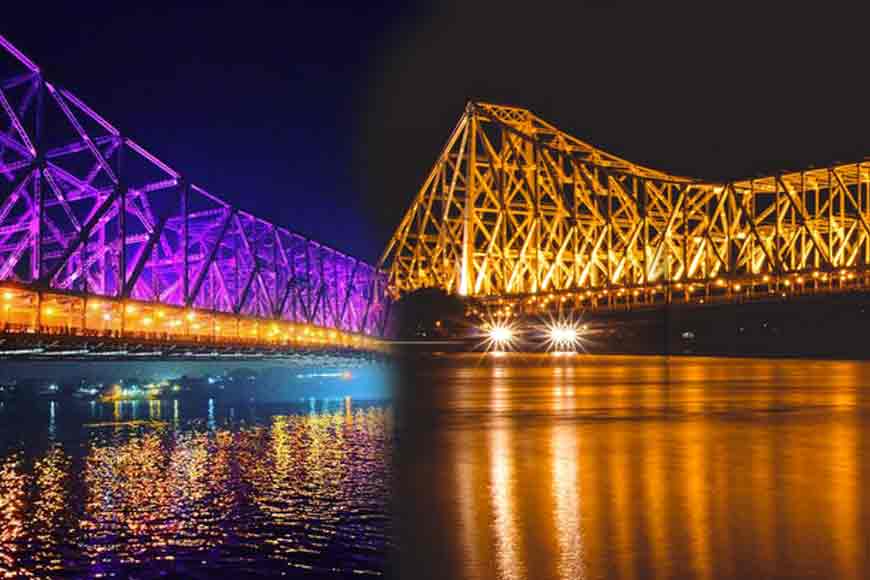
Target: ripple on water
<point>303,494</point>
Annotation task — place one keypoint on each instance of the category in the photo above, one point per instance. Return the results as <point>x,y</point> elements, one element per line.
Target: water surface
<point>194,489</point>
<point>633,468</point>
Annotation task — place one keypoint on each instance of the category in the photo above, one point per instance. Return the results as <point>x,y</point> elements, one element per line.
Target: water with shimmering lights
<point>194,489</point>
<point>633,468</point>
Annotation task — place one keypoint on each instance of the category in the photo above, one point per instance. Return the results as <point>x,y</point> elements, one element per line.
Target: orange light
<point>7,296</point>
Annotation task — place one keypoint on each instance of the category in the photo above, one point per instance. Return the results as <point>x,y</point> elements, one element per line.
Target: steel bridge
<point>517,214</point>
<point>101,241</point>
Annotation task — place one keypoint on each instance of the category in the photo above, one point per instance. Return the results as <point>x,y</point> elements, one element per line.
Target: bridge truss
<point>516,209</point>
<point>97,235</point>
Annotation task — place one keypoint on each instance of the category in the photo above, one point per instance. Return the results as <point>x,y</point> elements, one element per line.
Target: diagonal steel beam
<point>197,285</point>
<point>130,282</point>
<point>244,297</point>
<point>83,235</point>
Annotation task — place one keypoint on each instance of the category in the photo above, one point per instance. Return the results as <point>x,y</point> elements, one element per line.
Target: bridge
<point>521,217</point>
<point>106,250</point>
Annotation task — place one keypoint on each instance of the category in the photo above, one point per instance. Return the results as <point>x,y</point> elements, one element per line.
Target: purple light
<point>85,209</point>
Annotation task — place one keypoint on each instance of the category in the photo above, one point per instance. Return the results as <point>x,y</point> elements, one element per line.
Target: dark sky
<point>326,116</point>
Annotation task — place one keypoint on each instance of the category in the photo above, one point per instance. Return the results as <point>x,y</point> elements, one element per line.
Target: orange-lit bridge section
<point>520,216</point>
<point>41,324</point>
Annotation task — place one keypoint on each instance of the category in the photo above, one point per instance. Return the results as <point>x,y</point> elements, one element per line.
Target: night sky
<point>325,117</point>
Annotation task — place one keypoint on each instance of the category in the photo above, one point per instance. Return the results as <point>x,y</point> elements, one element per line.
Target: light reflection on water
<point>634,468</point>
<point>194,489</point>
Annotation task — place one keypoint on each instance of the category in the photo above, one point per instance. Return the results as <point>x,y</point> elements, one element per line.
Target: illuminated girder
<point>516,207</point>
<point>85,210</point>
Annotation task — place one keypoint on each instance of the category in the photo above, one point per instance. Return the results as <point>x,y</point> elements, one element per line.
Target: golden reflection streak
<point>844,494</point>
<point>12,528</point>
<point>507,533</point>
<point>697,494</point>
<point>720,463</point>
<point>127,491</point>
<point>620,469</point>
<point>150,492</point>
<point>595,502</point>
<point>51,473</point>
<point>465,489</point>
<point>199,484</point>
<point>155,408</point>
<point>324,467</point>
<point>567,492</point>
<point>655,474</point>
<point>312,468</point>
<point>762,500</point>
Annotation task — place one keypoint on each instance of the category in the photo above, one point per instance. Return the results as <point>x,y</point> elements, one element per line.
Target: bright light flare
<point>499,336</point>
<point>563,336</point>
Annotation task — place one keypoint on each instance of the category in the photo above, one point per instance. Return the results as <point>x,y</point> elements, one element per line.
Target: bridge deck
<point>32,319</point>
<point>720,290</point>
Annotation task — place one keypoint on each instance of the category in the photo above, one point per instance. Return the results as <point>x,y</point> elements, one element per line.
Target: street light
<point>499,336</point>
<point>563,335</point>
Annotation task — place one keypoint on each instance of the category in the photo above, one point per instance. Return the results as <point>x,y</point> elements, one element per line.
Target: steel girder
<point>514,206</point>
<point>85,209</point>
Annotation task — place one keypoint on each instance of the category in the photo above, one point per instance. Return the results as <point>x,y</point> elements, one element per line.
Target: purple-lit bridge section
<point>86,210</point>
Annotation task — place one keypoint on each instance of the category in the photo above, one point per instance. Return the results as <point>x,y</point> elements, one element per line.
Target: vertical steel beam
<point>185,239</point>
<point>468,210</point>
<point>39,122</point>
<point>121,186</point>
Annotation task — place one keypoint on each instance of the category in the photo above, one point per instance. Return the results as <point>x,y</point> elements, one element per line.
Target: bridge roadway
<point>104,248</point>
<point>52,326</point>
<point>715,292</point>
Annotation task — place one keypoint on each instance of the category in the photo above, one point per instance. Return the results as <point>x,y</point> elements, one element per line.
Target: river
<point>195,488</point>
<point>632,468</point>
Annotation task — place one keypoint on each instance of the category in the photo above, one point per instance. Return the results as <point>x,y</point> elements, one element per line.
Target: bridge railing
<point>87,211</point>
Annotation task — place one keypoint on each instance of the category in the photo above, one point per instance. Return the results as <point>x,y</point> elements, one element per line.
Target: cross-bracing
<point>516,214</point>
<point>99,237</point>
